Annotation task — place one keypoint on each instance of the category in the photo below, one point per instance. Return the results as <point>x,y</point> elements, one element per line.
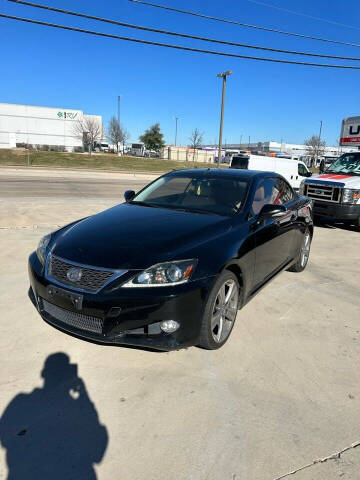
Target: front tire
<point>304,253</point>
<point>220,312</point>
<point>357,225</point>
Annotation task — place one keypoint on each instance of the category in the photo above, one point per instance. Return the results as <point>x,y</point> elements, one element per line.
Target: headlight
<point>42,248</point>
<point>350,196</point>
<point>302,188</point>
<point>164,274</point>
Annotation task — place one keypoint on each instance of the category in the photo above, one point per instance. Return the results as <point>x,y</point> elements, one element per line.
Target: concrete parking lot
<point>283,393</point>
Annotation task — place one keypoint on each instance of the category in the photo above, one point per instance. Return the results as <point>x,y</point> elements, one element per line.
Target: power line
<point>300,14</point>
<point>194,37</point>
<point>247,25</point>
<point>177,47</point>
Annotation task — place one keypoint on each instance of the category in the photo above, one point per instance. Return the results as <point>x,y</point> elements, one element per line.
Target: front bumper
<point>338,211</point>
<point>128,316</point>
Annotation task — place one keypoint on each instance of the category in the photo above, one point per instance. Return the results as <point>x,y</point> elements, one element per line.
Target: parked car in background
<point>336,193</point>
<point>172,266</point>
<point>293,171</point>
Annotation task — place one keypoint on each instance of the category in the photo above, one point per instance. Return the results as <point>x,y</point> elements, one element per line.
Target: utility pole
<point>223,76</point>
<point>176,129</point>
<point>119,96</point>
<point>317,153</point>
<point>240,142</point>
<point>320,132</point>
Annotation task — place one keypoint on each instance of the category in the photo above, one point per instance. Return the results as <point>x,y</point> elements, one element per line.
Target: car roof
<point>224,173</point>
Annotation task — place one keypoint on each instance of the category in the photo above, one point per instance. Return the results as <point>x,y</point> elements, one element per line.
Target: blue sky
<point>43,66</point>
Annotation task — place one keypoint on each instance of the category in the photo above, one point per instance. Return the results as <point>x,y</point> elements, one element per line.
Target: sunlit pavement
<point>283,392</point>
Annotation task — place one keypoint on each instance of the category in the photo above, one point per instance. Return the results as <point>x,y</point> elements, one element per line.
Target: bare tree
<point>89,130</point>
<point>116,133</point>
<point>125,135</point>
<point>196,139</point>
<point>315,147</point>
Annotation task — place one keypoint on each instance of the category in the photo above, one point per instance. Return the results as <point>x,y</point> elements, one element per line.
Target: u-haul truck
<point>336,193</point>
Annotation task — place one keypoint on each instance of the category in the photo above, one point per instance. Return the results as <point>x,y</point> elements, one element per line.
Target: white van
<point>293,171</point>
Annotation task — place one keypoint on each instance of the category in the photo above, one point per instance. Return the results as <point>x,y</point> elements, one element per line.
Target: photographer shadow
<point>54,431</point>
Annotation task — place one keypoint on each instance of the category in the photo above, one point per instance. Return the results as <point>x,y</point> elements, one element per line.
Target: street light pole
<point>176,129</point>
<point>223,76</point>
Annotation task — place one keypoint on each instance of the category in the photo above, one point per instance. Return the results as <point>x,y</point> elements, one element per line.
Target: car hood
<point>130,236</point>
<point>348,181</point>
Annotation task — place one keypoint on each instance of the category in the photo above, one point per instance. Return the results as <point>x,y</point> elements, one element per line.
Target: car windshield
<point>205,194</point>
<point>348,163</point>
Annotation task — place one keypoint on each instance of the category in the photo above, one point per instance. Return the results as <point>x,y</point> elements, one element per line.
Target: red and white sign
<point>350,132</point>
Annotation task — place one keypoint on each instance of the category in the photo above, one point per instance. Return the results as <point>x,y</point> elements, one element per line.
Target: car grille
<point>324,193</point>
<point>77,320</point>
<point>92,279</point>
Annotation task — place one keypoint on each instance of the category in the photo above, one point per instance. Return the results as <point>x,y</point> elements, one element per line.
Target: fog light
<point>169,326</point>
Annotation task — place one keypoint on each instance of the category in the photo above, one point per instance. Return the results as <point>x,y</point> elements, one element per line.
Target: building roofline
<point>54,108</point>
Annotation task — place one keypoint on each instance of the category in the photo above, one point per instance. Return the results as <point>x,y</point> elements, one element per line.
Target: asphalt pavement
<point>15,186</point>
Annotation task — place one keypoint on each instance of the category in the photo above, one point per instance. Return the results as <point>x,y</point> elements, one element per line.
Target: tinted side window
<point>282,193</point>
<point>263,194</point>
<point>271,191</point>
<point>302,170</point>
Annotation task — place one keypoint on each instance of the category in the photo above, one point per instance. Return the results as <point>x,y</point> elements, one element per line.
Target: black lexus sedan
<point>171,266</point>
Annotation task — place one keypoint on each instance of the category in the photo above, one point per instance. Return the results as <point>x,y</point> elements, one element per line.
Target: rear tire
<point>304,253</point>
<point>220,312</point>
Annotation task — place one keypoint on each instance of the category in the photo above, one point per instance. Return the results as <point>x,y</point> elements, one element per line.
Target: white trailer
<point>138,149</point>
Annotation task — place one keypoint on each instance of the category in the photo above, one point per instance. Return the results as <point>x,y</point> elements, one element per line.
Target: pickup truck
<point>336,193</point>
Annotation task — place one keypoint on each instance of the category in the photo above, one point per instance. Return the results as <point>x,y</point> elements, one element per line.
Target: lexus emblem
<point>74,274</point>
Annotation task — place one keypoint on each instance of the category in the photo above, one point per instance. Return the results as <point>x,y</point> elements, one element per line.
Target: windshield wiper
<point>144,204</point>
<point>191,210</point>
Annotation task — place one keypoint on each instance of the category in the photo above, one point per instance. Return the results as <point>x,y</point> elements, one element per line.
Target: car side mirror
<point>309,174</point>
<point>272,211</point>
<point>129,195</point>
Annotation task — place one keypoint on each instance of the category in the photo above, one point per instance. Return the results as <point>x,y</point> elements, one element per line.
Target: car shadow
<point>323,223</point>
<point>54,431</point>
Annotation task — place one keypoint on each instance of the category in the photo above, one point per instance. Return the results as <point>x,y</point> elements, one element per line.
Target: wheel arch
<point>236,269</point>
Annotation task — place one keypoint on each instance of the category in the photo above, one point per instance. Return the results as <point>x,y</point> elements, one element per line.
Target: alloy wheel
<point>224,311</point>
<point>305,250</point>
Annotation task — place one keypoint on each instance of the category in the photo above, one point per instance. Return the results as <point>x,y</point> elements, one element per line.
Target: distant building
<point>295,150</point>
<point>40,127</point>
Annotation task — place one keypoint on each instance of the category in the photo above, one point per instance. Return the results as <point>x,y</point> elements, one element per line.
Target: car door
<point>303,172</point>
<point>274,237</point>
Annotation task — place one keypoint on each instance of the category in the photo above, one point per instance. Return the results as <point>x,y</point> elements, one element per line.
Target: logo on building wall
<point>70,115</point>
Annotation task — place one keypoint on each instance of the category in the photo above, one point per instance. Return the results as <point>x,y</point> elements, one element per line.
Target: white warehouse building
<point>41,127</point>
<point>295,150</point>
